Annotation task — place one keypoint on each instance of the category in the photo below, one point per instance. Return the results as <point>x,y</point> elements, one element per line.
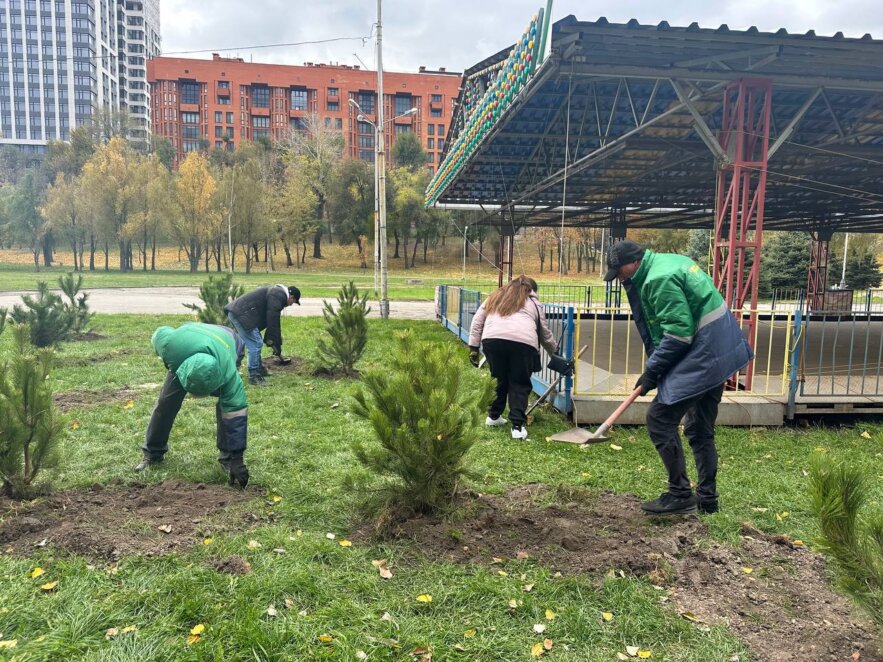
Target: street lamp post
<point>380,193</point>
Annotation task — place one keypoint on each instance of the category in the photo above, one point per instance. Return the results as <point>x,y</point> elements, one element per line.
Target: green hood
<point>160,338</point>
<point>200,375</point>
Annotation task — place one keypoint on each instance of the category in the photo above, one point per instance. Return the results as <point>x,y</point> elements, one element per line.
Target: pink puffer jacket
<point>520,326</point>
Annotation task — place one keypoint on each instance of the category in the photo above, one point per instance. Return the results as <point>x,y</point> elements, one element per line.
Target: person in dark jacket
<point>252,313</point>
<point>510,326</point>
<point>693,344</point>
<point>203,360</point>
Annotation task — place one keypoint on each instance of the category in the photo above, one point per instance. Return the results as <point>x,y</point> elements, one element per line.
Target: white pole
<point>380,166</point>
<point>843,273</point>
<point>230,219</point>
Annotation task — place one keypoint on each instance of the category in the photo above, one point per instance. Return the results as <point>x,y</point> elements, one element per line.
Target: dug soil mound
<point>775,595</point>
<point>72,400</point>
<point>119,520</point>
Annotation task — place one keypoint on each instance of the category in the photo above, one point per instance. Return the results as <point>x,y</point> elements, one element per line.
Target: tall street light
<point>380,188</point>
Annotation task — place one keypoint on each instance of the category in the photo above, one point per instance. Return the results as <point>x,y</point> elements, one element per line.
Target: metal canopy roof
<point>624,118</point>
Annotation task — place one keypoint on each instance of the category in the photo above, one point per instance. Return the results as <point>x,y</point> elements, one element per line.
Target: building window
<point>260,96</point>
<point>365,129</point>
<point>299,99</point>
<point>261,133</point>
<point>366,102</point>
<point>434,112</point>
<point>229,118</point>
<point>219,144</point>
<point>298,124</point>
<point>333,106</point>
<point>402,104</point>
<point>366,142</point>
<point>218,130</point>
<point>430,129</point>
<point>190,93</point>
<point>436,98</point>
<point>261,122</point>
<point>223,84</point>
<point>229,145</point>
<point>190,131</point>
<point>333,92</point>
<point>441,143</point>
<point>402,128</point>
<point>431,157</point>
<point>430,143</point>
<point>338,123</point>
<point>190,146</point>
<point>366,155</point>
<point>441,129</point>
<point>190,118</point>
<point>218,116</point>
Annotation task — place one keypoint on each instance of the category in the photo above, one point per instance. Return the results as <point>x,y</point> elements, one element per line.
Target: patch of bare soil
<point>119,520</point>
<point>232,565</point>
<point>84,361</point>
<point>89,336</point>
<point>774,595</point>
<point>334,373</point>
<point>89,398</point>
<point>299,366</point>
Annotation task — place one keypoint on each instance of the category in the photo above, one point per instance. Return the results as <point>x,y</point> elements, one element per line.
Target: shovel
<point>554,384</point>
<point>282,360</point>
<point>578,435</point>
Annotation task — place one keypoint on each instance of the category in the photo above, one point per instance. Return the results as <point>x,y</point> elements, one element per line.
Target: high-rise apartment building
<point>64,61</point>
<point>224,102</point>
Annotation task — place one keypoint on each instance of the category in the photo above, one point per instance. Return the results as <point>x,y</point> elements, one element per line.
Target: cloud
<point>458,33</point>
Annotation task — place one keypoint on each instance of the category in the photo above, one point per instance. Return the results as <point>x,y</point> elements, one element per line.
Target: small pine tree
<point>215,294</point>
<point>77,308</point>
<point>855,544</point>
<point>862,271</point>
<point>347,328</point>
<point>3,312</point>
<point>46,317</point>
<point>29,427</point>
<point>426,415</point>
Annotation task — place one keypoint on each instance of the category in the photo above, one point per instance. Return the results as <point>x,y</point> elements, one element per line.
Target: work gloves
<point>238,472</point>
<point>647,382</point>
<point>474,356</point>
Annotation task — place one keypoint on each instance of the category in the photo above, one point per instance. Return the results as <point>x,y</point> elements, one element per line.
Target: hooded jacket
<point>205,358</point>
<point>693,341</point>
<point>261,309</point>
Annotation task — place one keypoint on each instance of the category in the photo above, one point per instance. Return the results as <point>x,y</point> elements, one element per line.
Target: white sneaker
<point>519,433</point>
<point>495,422</point>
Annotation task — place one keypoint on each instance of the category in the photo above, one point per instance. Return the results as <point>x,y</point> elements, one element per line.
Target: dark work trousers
<point>511,364</point>
<point>699,414</point>
<point>156,441</point>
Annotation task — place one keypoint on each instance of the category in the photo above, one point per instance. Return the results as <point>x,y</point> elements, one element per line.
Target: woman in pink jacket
<point>510,326</point>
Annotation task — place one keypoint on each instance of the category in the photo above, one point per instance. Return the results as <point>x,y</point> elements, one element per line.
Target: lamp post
<point>380,194</point>
<point>843,273</point>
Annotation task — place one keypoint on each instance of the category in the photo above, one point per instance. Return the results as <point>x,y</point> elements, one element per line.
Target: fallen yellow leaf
<point>111,633</point>
<point>326,638</point>
<point>866,434</point>
<point>344,543</point>
<point>537,650</point>
<point>513,604</point>
<point>75,425</point>
<point>208,541</point>
<point>550,615</point>
<point>271,611</point>
<point>385,573</point>
<point>129,404</point>
<point>615,447</point>
<point>783,515</point>
<point>197,629</point>
<point>9,643</point>
<point>522,555</point>
<point>424,597</point>
<point>632,651</point>
<point>277,499</point>
<point>502,573</point>
<point>747,571</point>
<point>607,616</point>
<point>128,629</point>
<point>298,533</point>
<point>469,634</point>
<point>798,543</point>
<point>460,648</point>
<point>547,644</point>
<point>527,588</point>
<point>192,639</point>
<point>644,654</point>
<point>50,586</point>
<point>36,572</point>
<point>253,544</point>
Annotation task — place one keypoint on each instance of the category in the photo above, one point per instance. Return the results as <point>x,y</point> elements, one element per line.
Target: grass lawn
<point>299,433</point>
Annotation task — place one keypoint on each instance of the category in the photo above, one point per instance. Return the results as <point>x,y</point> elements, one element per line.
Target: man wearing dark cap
<point>258,310</point>
<point>693,344</point>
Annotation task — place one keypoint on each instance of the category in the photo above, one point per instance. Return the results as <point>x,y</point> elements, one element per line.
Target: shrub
<point>347,329</point>
<point>77,308</point>
<point>426,415</point>
<point>3,312</point>
<point>45,315</point>
<point>216,294</point>
<point>854,543</point>
<point>29,427</point>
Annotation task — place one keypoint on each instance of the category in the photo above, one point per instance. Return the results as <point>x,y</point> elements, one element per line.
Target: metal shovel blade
<point>575,435</point>
<point>283,360</point>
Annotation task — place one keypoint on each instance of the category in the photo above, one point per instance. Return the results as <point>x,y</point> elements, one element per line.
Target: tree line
<point>101,196</point>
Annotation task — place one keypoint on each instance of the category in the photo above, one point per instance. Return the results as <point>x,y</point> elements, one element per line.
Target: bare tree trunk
<point>317,245</point>
<point>395,233</point>
<point>91,252</point>
<point>285,247</point>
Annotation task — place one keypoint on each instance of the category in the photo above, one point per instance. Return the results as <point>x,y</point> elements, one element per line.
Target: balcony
<point>406,120</point>
<point>436,105</point>
<point>260,112</point>
<point>222,91</point>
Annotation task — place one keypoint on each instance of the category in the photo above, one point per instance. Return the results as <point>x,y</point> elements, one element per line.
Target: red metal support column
<point>505,254</point>
<point>740,197</point>
<point>817,281</point>
<point>618,229</point>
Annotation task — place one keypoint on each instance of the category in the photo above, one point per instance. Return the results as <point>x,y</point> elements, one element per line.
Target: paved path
<point>162,300</point>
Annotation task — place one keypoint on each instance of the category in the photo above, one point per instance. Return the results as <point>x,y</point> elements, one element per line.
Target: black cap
<point>622,252</point>
<point>294,293</point>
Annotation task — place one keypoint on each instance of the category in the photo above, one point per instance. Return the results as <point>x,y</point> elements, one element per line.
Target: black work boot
<point>264,371</point>
<point>224,461</point>
<point>147,460</point>
<point>669,504</point>
<point>257,380</point>
<point>238,471</point>
<point>708,506</point>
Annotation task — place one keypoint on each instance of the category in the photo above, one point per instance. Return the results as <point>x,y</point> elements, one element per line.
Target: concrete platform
<point>737,411</point>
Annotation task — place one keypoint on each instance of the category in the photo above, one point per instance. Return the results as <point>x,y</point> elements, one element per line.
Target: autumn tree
<point>293,209</point>
<point>243,195</point>
<point>156,208</point>
<point>408,152</point>
<point>197,216</point>
<point>24,221</point>
<point>64,211</point>
<point>351,200</point>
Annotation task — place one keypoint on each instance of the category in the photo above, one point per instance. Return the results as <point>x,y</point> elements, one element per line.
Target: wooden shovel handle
<point>606,425</point>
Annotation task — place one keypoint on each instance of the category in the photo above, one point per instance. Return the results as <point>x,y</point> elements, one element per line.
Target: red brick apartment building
<point>227,101</point>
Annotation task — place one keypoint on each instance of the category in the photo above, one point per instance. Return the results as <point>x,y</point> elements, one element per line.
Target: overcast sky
<point>458,33</point>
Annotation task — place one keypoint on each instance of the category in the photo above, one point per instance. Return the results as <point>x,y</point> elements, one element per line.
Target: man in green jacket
<point>203,360</point>
<point>693,344</point>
